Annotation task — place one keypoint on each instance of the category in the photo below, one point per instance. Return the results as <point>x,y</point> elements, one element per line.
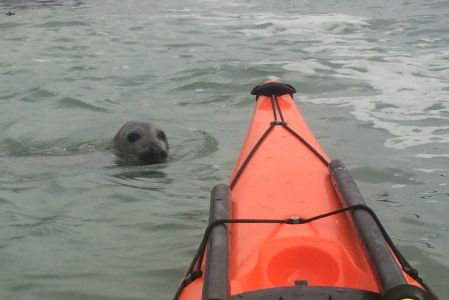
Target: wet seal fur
<point>140,142</point>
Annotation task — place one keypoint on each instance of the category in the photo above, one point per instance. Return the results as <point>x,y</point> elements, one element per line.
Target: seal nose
<point>155,147</point>
<point>154,154</point>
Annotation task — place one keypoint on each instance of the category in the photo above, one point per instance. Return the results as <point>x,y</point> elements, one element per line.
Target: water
<point>373,82</point>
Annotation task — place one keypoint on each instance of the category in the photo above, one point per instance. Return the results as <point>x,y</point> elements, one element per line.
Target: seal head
<point>140,142</point>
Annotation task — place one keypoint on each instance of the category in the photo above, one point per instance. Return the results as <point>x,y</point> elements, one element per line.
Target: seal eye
<point>161,136</point>
<point>132,137</point>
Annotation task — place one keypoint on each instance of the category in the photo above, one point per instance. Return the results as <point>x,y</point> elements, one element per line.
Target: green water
<point>372,81</point>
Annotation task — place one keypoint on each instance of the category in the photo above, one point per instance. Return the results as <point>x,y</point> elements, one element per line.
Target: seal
<point>140,142</point>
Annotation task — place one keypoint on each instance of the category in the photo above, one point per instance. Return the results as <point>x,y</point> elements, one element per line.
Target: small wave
<point>328,24</point>
<point>137,80</point>
<point>9,25</point>
<point>202,86</point>
<point>306,67</point>
<point>17,148</point>
<point>76,103</point>
<point>429,155</point>
<point>37,95</point>
<point>195,144</point>
<point>389,175</point>
<point>58,24</point>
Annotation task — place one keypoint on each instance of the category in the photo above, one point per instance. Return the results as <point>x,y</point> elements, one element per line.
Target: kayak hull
<point>282,173</point>
<point>291,181</point>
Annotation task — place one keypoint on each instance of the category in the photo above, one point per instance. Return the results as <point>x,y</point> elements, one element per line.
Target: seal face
<point>141,142</point>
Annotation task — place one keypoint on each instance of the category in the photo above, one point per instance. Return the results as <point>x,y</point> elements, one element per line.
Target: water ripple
<point>59,24</point>
<point>76,103</point>
<point>371,78</point>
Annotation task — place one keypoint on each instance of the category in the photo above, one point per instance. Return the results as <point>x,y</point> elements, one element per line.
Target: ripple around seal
<point>210,145</point>
<point>76,103</point>
<point>141,173</point>
<point>201,144</point>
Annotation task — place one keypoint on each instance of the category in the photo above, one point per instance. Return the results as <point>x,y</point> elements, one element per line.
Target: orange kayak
<point>291,224</point>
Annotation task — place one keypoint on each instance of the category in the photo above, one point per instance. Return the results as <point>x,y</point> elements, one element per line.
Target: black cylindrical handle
<point>216,278</point>
<point>388,271</point>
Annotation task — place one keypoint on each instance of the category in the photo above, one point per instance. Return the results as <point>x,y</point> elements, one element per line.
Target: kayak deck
<point>282,178</point>
<point>286,179</point>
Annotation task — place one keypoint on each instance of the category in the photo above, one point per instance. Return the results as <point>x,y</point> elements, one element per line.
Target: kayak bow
<point>290,224</point>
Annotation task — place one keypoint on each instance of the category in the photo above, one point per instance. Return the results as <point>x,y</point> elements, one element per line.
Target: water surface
<point>372,81</point>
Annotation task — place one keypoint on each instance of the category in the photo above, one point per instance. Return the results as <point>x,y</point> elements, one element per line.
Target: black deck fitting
<point>275,88</point>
